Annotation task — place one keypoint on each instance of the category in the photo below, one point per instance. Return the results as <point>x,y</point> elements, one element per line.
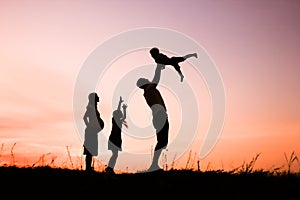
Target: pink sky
<point>255,46</point>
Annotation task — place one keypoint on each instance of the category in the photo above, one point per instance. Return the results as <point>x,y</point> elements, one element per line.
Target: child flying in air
<point>161,58</point>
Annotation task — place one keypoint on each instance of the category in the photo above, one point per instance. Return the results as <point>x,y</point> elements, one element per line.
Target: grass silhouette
<point>60,183</point>
<point>192,163</point>
<point>69,180</point>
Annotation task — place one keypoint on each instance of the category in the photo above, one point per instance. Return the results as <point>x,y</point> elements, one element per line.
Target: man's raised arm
<point>157,73</point>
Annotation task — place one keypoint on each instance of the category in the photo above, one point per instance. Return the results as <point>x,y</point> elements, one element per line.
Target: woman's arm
<point>85,118</point>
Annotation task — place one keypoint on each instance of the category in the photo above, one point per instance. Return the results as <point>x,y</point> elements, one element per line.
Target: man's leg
<point>162,141</point>
<point>154,166</point>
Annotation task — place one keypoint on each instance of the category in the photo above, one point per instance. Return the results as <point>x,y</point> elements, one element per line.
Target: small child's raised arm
<point>124,111</point>
<point>120,102</point>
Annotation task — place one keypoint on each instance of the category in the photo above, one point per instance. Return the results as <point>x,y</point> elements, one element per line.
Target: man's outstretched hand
<point>161,66</point>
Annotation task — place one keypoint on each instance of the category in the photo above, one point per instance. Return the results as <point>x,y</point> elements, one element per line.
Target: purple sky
<point>254,44</point>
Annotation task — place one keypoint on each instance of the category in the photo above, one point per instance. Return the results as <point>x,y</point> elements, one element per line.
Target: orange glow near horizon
<point>255,46</point>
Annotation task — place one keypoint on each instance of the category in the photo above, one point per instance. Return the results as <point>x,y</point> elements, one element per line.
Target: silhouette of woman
<point>161,58</point>
<point>115,139</point>
<point>94,124</point>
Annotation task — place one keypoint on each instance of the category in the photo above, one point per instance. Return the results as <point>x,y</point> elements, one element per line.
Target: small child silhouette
<point>115,138</point>
<point>161,58</point>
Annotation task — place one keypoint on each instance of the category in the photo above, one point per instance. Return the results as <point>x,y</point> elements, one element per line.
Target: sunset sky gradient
<point>254,44</point>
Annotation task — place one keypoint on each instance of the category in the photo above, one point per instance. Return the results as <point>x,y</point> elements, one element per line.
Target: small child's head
<point>117,114</point>
<point>154,51</point>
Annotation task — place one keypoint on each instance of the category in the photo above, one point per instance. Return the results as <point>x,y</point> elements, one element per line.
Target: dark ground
<point>51,183</point>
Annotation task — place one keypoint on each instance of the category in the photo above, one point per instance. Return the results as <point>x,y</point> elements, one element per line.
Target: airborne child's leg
<point>174,63</point>
<point>190,55</point>
<point>177,68</point>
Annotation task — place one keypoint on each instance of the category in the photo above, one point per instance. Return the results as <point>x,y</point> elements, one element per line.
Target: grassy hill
<point>56,183</point>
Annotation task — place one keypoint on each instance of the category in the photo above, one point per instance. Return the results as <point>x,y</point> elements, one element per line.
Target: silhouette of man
<point>94,124</point>
<point>159,113</point>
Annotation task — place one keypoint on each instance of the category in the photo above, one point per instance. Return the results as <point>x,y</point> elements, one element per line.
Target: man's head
<point>142,82</point>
